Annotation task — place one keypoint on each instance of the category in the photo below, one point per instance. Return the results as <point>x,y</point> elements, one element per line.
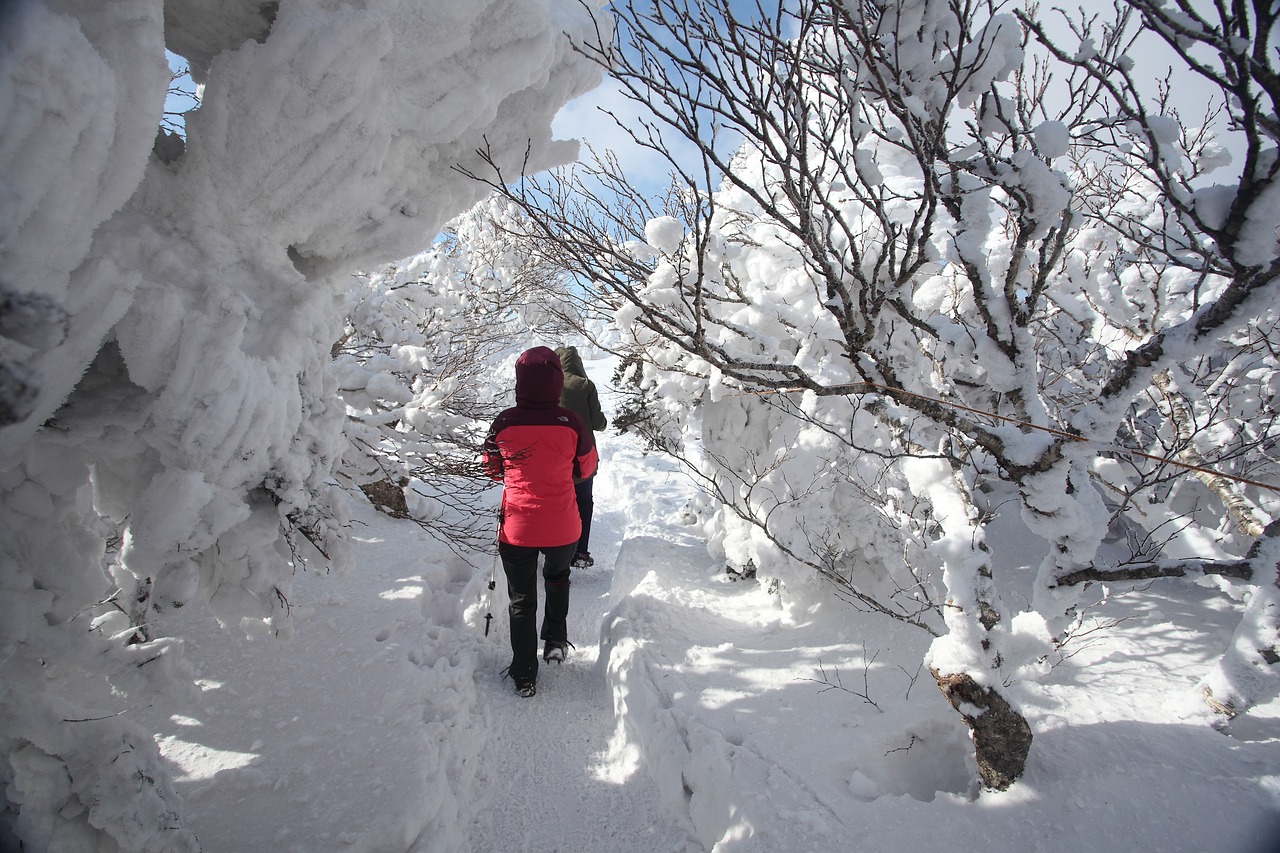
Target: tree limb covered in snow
<point>879,192</point>
<point>1239,569</point>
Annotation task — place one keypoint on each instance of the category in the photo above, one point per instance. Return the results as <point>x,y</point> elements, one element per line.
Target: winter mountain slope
<point>696,713</point>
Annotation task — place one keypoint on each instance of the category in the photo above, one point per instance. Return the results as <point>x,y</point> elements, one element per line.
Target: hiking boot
<point>556,650</point>
<point>582,559</point>
<point>525,689</point>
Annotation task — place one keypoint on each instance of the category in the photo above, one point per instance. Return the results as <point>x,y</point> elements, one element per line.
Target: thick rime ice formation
<point>180,298</point>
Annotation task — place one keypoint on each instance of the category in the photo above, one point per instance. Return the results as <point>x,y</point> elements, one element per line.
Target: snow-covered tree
<point>927,269</point>
<point>168,418</point>
<point>1213,367</point>
<point>420,367</point>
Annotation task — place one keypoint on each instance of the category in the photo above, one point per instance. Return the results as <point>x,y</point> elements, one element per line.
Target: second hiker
<point>579,396</point>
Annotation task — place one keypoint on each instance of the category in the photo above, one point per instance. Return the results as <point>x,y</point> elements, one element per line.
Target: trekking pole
<point>488,616</point>
<point>493,573</point>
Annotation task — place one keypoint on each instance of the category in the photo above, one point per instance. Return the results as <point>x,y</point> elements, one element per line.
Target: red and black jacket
<point>538,449</point>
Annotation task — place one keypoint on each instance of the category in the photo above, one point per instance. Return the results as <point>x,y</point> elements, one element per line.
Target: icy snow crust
<point>193,293</point>
<point>695,714</point>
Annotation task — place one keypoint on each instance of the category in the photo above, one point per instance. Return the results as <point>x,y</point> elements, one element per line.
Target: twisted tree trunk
<point>1001,736</point>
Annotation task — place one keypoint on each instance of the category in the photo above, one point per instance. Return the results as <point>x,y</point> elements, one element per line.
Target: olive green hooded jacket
<point>579,394</point>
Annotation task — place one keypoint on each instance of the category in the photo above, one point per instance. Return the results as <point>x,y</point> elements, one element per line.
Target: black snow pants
<point>521,567</point>
<point>586,508</point>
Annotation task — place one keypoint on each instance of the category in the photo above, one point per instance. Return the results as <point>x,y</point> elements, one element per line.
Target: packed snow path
<point>557,777</point>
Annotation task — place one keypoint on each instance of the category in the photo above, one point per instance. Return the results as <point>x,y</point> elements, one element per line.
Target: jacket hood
<point>539,378</point>
<point>571,361</point>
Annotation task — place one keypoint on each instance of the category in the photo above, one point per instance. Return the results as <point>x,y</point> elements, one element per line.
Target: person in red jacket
<point>537,449</point>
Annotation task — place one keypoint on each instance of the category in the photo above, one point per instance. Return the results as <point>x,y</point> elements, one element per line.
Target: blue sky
<point>583,118</point>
